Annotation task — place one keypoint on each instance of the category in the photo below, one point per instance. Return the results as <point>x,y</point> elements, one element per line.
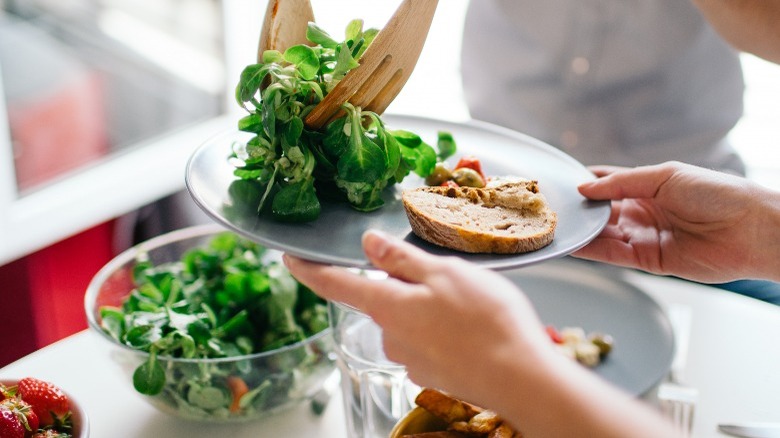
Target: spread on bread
<point>506,216</point>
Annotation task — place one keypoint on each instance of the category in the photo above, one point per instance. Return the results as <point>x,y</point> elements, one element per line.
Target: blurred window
<point>85,79</point>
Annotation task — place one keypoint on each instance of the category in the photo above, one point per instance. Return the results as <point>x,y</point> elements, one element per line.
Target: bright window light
<point>197,68</point>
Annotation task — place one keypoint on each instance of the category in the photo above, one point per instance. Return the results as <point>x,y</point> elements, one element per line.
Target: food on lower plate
<point>353,158</point>
<point>588,349</point>
<point>461,419</point>
<point>508,216</point>
<point>34,408</point>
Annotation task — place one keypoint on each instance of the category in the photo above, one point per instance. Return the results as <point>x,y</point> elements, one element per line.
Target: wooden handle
<point>284,25</point>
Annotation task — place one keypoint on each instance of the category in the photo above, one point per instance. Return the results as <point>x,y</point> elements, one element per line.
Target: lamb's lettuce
<point>354,156</point>
<point>221,300</point>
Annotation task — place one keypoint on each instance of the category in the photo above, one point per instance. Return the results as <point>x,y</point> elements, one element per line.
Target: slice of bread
<point>510,217</point>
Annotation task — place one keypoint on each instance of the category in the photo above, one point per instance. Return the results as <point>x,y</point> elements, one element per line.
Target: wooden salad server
<point>284,25</point>
<point>384,68</point>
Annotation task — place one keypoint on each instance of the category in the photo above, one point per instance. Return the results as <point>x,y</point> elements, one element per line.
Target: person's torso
<point>629,81</point>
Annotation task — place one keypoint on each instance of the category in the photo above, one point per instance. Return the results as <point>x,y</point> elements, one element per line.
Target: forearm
<point>766,237</point>
<point>748,25</point>
<point>565,399</point>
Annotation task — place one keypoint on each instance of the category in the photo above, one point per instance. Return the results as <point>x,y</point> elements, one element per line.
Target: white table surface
<point>734,361</point>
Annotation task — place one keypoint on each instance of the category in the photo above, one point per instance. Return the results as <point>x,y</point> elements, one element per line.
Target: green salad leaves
<point>221,300</point>
<point>353,158</point>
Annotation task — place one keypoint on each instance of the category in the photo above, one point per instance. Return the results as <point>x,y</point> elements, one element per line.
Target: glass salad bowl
<point>209,326</point>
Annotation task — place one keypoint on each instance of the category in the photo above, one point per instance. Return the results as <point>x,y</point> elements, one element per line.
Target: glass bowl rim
<point>129,254</point>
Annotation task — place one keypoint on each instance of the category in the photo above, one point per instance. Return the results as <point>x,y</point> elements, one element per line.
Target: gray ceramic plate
<point>335,236</point>
<point>570,292</point>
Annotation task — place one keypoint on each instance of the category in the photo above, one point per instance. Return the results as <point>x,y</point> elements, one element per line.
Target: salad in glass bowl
<point>210,326</point>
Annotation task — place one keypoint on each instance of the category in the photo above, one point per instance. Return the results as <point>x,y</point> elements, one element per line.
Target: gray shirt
<point>626,82</point>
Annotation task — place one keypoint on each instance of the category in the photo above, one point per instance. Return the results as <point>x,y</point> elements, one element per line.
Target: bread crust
<point>509,218</point>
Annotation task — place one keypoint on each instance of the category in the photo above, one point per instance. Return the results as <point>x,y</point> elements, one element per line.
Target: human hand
<point>471,332</point>
<point>453,325</point>
<point>681,220</point>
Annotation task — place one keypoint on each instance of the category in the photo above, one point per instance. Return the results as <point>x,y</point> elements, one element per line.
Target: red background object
<point>42,294</point>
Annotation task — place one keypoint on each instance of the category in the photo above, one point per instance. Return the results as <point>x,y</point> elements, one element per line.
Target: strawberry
<point>32,419</point>
<point>47,400</point>
<point>10,426</point>
<point>23,412</point>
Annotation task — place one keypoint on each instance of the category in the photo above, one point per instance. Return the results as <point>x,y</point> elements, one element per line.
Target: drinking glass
<point>376,391</point>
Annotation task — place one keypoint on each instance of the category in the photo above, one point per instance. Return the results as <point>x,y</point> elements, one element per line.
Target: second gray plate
<point>575,293</point>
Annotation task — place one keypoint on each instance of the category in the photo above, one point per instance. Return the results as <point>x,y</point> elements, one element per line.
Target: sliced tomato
<point>449,183</point>
<point>473,163</point>
<point>555,336</point>
<point>237,389</point>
